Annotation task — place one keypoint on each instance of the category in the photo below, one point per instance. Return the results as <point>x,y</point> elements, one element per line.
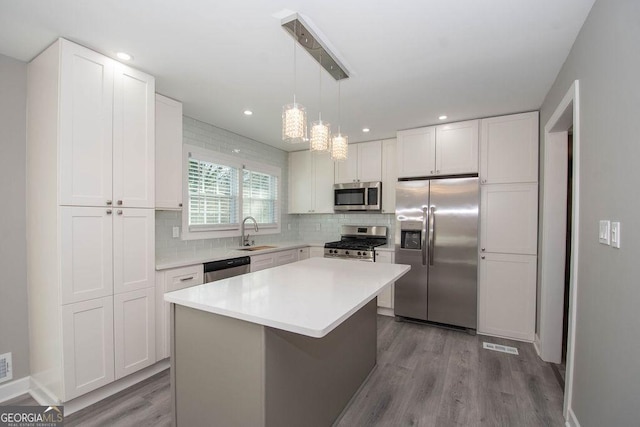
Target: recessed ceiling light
<point>248,112</point>
<point>443,117</point>
<point>124,56</point>
<point>365,130</point>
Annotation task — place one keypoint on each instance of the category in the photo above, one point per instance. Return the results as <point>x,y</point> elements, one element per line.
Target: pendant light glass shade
<point>320,136</point>
<point>294,123</point>
<point>339,147</point>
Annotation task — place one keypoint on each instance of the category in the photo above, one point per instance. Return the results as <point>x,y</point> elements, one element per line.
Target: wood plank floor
<point>426,376</point>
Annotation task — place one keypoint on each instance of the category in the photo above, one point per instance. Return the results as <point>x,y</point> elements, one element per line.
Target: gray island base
<point>230,372</point>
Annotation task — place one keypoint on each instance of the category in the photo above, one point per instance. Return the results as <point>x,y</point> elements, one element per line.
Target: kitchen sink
<point>257,248</point>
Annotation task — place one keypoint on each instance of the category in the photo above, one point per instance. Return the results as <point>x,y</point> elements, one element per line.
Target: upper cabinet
<point>363,164</point>
<point>106,129</point>
<point>450,149</point>
<point>509,149</point>
<point>168,153</point>
<point>310,182</point>
<point>389,175</point>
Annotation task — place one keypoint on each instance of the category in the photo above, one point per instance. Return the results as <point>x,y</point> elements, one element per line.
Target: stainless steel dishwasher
<point>218,270</point>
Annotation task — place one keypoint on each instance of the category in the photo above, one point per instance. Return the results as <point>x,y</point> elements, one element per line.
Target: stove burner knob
<point>359,253</point>
<point>364,254</point>
<point>330,251</point>
<point>346,252</point>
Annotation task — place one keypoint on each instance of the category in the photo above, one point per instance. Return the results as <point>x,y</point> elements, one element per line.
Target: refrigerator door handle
<point>432,233</point>
<point>423,244</point>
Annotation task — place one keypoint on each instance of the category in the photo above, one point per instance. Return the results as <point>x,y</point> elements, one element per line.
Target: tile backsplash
<point>310,228</point>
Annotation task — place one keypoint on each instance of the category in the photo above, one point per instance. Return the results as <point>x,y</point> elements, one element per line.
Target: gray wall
<point>606,60</point>
<point>14,331</point>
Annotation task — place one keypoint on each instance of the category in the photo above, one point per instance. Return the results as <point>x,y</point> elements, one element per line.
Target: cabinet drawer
<point>303,253</point>
<point>316,252</point>
<point>184,277</point>
<point>286,257</point>
<point>262,262</point>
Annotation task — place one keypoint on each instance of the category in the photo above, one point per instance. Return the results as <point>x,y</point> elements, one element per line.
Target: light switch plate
<point>615,234</point>
<point>176,232</point>
<point>604,235</point>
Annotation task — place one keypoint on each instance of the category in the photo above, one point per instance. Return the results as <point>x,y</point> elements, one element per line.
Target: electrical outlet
<point>176,232</point>
<point>604,235</point>
<point>6,368</point>
<point>615,234</point>
<point>317,227</point>
<point>289,227</point>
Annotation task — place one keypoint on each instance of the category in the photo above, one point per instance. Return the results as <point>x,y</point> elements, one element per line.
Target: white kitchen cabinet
<point>168,153</point>
<point>310,182</point>
<point>316,252</point>
<point>507,296</point>
<point>385,298</point>
<point>168,281</point>
<point>417,152</point>
<point>509,218</point>
<point>389,175</point>
<point>86,253</point>
<point>133,249</point>
<point>450,149</point>
<point>87,346</point>
<point>286,257</point>
<point>134,331</point>
<point>457,148</point>
<point>263,261</point>
<point>363,164</point>
<point>509,149</point>
<point>107,131</point>
<point>303,253</point>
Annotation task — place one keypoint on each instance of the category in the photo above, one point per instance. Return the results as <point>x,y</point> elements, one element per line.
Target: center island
<point>286,346</point>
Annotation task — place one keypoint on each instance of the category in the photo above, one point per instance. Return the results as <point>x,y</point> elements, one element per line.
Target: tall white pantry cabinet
<point>90,220</point>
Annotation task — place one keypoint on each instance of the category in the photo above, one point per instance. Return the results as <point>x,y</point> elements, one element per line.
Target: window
<point>221,190</point>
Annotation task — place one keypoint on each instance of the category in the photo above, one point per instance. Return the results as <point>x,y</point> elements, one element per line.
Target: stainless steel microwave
<point>358,196</point>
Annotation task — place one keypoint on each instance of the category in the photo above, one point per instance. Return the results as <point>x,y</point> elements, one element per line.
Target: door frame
<point>553,226</point>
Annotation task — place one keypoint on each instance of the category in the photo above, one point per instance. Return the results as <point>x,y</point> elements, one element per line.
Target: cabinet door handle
<point>438,171</point>
<point>484,181</point>
<point>482,249</point>
<point>108,211</point>
<point>482,257</point>
<point>431,172</point>
<point>179,205</point>
<point>184,279</point>
<point>109,202</point>
<point>119,202</point>
<point>119,212</point>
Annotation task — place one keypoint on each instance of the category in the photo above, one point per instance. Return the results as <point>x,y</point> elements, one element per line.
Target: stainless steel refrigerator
<point>437,234</point>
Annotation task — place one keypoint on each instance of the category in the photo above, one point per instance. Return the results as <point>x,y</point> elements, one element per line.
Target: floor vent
<point>6,372</point>
<point>501,348</point>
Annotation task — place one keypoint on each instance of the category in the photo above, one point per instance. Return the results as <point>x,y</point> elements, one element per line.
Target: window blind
<point>260,196</point>
<point>213,195</point>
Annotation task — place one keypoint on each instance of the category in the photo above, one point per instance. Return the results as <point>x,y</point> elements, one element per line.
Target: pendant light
<point>320,131</point>
<point>339,142</point>
<point>294,116</point>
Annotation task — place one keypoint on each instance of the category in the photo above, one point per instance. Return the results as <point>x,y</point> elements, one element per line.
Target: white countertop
<point>310,297</point>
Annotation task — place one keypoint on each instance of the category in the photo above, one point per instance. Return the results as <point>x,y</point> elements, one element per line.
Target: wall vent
<point>6,370</point>
<point>501,348</point>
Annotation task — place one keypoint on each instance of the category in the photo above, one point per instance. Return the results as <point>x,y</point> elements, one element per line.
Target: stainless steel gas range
<point>357,243</point>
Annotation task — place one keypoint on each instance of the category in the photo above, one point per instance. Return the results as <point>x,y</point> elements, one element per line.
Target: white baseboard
<point>572,421</point>
<point>536,345</point>
<point>13,389</point>
<point>384,311</point>
<point>44,397</point>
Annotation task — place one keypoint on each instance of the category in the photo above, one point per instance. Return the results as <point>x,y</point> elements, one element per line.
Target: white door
<point>133,249</point>
<point>457,148</point>
<point>417,152</point>
<point>86,114</point>
<point>134,331</point>
<point>509,149</point>
<point>300,183</point>
<point>133,138</point>
<point>370,161</point>
<point>347,170</point>
<point>168,166</point>
<point>389,175</point>
<point>86,248</point>
<point>87,346</point>
<point>509,218</point>
<point>323,168</point>
<point>385,298</point>
<point>507,296</point>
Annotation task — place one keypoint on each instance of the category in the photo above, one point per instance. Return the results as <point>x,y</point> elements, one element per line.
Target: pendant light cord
<point>320,88</point>
<point>295,39</point>
<point>339,108</point>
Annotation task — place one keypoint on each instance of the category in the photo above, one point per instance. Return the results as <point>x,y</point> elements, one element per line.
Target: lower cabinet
<point>274,259</point>
<point>507,296</point>
<point>316,252</point>
<point>303,253</point>
<point>385,298</point>
<point>167,281</point>
<point>87,345</point>
<point>134,331</point>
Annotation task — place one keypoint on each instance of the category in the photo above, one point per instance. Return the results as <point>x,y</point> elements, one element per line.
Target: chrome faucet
<point>244,240</point>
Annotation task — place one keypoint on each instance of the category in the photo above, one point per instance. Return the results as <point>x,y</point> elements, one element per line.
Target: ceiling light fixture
<point>443,117</point>
<point>339,143</point>
<point>365,130</point>
<point>248,112</point>
<point>294,116</point>
<point>320,131</point>
<point>124,56</point>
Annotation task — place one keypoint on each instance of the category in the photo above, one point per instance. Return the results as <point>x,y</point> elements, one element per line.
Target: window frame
<point>231,230</point>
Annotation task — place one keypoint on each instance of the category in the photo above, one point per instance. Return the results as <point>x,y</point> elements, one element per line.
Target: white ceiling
<point>411,61</point>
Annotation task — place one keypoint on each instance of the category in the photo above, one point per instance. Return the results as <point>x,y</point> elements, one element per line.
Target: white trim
<point>14,388</point>
<point>572,420</point>
<point>566,114</point>
<point>42,395</point>
<point>536,345</point>
<point>385,311</point>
